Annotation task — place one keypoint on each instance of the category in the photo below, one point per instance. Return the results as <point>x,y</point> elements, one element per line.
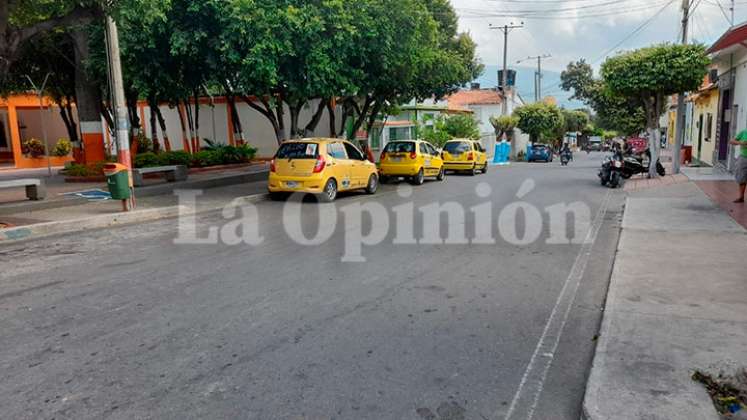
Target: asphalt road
<point>125,324</point>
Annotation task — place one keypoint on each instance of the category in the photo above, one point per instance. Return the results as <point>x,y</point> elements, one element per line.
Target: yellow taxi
<point>413,159</point>
<point>322,167</point>
<point>465,155</point>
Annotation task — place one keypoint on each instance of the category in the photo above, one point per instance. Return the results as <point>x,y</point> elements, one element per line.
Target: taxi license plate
<point>291,184</point>
<point>396,159</point>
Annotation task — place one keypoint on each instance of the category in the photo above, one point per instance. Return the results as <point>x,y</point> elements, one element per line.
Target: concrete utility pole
<point>504,83</point>
<point>537,75</point>
<point>731,10</point>
<point>121,120</point>
<point>680,127</point>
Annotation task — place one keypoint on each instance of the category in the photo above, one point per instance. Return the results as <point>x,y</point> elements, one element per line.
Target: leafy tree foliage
<point>650,74</point>
<point>539,120</point>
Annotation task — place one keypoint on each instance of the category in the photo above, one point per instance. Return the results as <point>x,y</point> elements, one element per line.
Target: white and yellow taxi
<point>465,155</point>
<point>322,167</point>
<point>413,159</point>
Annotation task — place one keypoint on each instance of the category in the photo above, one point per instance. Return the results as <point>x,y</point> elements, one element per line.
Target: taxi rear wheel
<point>373,184</point>
<point>419,178</point>
<point>485,168</point>
<point>329,193</point>
<point>441,175</point>
<point>473,171</point>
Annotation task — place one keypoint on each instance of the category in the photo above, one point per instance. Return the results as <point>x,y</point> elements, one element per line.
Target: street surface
<point>125,324</point>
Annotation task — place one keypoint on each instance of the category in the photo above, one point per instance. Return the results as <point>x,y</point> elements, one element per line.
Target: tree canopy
<point>539,119</point>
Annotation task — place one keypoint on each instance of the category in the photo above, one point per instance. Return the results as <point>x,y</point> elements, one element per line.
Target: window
<point>336,150</point>
<point>424,149</point>
<point>400,147</point>
<point>432,150</point>
<point>457,147</point>
<point>353,152</point>
<point>479,147</point>
<point>298,151</point>
<point>399,133</point>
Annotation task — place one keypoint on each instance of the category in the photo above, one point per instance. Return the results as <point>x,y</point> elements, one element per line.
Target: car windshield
<point>298,150</point>
<point>457,147</point>
<point>400,147</point>
<point>539,147</point>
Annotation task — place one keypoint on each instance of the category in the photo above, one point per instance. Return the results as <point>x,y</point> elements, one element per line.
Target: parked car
<point>322,167</point>
<point>539,152</point>
<point>412,159</point>
<point>465,155</point>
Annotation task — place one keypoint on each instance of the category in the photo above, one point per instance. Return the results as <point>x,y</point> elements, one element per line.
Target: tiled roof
<point>733,36</point>
<point>464,98</point>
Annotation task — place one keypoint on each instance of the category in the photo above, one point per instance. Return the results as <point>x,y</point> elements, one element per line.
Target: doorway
<point>724,125</point>
<point>6,145</point>
<point>700,136</point>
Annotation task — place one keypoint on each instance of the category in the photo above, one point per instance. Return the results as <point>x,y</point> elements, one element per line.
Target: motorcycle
<point>565,157</point>
<point>611,172</point>
<point>639,164</point>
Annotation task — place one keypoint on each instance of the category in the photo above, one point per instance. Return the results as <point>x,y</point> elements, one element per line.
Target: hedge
<point>220,155</point>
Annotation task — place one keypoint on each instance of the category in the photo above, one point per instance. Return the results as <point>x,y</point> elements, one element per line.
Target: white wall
<point>258,131</point>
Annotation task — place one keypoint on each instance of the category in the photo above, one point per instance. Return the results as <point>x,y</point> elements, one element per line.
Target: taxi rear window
<point>456,147</point>
<point>400,147</point>
<point>298,150</point>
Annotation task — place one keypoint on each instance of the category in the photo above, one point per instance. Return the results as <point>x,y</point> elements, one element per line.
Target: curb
<point>147,191</point>
<point>42,230</point>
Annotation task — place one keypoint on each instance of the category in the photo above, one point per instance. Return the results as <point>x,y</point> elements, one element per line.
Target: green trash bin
<point>118,181</point>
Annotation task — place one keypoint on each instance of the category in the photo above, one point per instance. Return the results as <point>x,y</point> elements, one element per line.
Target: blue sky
<point>589,29</point>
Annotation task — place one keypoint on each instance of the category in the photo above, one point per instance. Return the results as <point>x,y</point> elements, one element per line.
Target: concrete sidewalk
<point>677,302</point>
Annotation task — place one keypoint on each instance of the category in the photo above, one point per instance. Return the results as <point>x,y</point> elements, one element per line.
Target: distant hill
<point>525,84</point>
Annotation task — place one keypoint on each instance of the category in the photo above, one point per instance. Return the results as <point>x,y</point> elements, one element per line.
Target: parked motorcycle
<point>610,174</point>
<point>639,164</point>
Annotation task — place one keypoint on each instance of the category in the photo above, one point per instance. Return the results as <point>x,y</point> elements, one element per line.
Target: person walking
<point>740,172</point>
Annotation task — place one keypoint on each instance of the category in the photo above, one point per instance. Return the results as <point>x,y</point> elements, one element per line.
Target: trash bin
<point>118,181</point>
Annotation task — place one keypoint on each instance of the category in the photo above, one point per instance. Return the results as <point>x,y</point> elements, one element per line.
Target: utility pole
<point>504,83</point>
<point>731,10</point>
<point>537,75</point>
<point>121,121</point>
<point>680,125</point>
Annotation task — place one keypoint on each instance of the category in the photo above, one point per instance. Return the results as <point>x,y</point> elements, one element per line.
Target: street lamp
<point>40,93</point>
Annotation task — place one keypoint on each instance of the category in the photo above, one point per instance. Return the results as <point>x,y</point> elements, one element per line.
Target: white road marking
<point>533,380</point>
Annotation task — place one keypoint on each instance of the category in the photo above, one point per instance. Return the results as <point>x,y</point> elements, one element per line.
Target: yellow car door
<point>437,161</point>
<point>482,156</point>
<point>339,167</point>
<point>359,170</point>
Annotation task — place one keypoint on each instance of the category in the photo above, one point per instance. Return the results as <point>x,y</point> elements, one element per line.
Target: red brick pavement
<point>723,193</point>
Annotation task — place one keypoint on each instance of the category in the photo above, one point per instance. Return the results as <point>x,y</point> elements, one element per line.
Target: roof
<point>464,98</point>
<point>733,36</point>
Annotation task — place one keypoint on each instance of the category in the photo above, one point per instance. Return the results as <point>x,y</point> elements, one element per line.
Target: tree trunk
<point>275,118</point>
<point>362,116</point>
<point>162,123</point>
<point>87,98</point>
<point>154,129</point>
<point>332,123</point>
<point>238,131</point>
<point>314,122</point>
<point>652,128</point>
<point>196,135</point>
<point>183,124</point>
<point>295,111</point>
<point>66,113</point>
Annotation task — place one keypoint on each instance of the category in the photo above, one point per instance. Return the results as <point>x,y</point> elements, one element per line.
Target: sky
<point>591,29</point>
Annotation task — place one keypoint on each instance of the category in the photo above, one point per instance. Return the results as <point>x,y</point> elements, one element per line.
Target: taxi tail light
<point>272,166</point>
<point>383,156</point>
<point>320,164</point>
<point>470,156</point>
<point>413,155</point>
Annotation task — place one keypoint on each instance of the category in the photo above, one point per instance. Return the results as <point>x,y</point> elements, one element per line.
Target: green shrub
<point>205,158</point>
<point>148,159</point>
<point>247,152</point>
<point>177,157</point>
<point>62,148</point>
<point>93,169</point>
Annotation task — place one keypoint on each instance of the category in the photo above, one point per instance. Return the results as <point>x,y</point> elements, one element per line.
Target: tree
<point>539,119</point>
<point>650,75</point>
<point>462,126</point>
<point>504,125</point>
<point>612,111</point>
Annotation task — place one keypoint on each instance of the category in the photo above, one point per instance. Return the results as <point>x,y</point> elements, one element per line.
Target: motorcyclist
<point>566,150</point>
